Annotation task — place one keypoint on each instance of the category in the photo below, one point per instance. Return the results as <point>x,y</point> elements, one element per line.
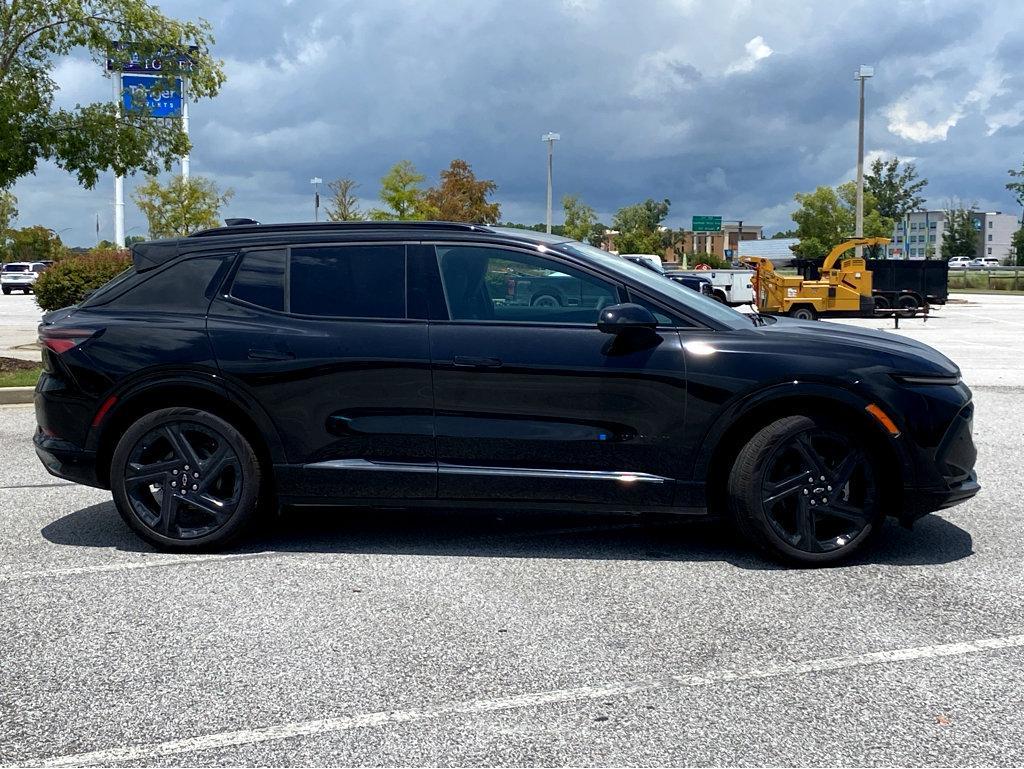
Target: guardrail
<point>995,279</point>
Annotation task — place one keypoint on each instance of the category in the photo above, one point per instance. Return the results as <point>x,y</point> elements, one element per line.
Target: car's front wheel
<point>806,490</point>
<point>185,479</point>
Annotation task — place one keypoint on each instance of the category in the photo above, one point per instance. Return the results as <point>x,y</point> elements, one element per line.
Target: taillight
<point>60,340</point>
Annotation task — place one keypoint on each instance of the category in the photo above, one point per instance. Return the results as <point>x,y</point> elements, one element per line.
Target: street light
<point>862,74</point>
<point>316,181</point>
<point>550,138</point>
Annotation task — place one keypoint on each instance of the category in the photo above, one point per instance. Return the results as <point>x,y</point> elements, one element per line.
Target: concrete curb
<point>10,395</point>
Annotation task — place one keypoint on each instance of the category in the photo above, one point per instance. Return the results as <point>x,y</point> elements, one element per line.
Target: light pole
<point>550,138</point>
<point>862,74</point>
<point>316,181</point>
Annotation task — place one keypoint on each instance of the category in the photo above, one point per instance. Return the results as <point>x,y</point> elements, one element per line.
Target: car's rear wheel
<point>185,479</point>
<point>546,300</point>
<point>806,491</point>
<point>6,290</point>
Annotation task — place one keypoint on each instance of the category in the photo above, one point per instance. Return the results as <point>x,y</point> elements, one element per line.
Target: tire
<point>803,312</point>
<point>720,297</point>
<point>806,520</point>
<point>881,302</point>
<point>546,300</point>
<point>7,291</point>
<point>909,304</point>
<point>152,457</point>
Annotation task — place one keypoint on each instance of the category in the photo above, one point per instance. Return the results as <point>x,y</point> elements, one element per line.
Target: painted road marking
<point>143,753</point>
<point>131,565</point>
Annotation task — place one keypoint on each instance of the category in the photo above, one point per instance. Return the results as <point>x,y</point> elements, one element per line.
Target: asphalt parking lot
<point>339,638</point>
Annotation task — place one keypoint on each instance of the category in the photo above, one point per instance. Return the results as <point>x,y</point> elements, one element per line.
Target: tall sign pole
<point>862,74</point>
<point>550,138</point>
<point>184,125</point>
<point>118,180</point>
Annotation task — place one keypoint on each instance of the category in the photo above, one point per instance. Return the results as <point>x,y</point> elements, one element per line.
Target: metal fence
<point>998,279</point>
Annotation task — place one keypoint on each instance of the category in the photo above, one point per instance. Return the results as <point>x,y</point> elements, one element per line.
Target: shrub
<point>68,281</point>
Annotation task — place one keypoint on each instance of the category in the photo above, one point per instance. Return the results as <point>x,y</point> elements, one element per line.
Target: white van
<point>984,263</point>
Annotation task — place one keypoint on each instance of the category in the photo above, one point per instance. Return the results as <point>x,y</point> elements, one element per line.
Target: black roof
<point>153,253</point>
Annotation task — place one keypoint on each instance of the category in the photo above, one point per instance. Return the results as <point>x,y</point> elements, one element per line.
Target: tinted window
<point>260,279</point>
<point>182,287</point>
<point>15,268</point>
<point>348,281</point>
<point>482,283</point>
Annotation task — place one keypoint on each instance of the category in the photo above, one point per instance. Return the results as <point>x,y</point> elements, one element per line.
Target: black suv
<point>379,364</point>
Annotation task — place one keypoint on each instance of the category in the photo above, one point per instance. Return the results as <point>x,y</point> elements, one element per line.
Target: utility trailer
<point>900,284</point>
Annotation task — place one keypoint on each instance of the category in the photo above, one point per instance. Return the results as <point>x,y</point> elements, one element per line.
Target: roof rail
<point>250,226</point>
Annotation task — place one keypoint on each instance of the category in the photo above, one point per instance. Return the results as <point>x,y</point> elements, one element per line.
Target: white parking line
<point>129,566</point>
<point>142,753</point>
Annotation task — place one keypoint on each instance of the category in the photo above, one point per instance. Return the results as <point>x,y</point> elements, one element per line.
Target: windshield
<point>684,296</point>
<point>15,268</point>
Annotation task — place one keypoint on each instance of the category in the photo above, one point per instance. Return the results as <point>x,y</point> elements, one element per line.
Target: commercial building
<point>920,234</point>
<point>717,242</point>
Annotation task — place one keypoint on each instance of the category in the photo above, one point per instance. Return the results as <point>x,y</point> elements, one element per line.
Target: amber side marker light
<point>883,419</point>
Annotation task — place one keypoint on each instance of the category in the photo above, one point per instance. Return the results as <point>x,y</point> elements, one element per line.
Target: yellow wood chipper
<point>842,290</point>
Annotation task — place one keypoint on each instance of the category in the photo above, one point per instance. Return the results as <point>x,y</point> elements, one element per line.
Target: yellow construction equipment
<point>845,290</point>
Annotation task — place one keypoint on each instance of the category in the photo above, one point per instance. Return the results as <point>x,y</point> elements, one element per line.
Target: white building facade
<point>920,234</point>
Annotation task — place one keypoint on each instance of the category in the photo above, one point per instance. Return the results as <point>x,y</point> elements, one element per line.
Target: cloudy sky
<point>724,108</point>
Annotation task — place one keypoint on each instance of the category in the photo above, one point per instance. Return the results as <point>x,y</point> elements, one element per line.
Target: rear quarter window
<point>185,286</point>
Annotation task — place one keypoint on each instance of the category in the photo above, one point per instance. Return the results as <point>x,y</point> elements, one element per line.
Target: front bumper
<point>65,460</point>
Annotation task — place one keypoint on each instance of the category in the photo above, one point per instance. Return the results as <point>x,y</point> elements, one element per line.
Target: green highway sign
<point>707,224</point>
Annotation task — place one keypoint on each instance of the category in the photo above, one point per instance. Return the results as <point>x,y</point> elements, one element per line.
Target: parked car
<point>20,276</point>
<point>380,364</point>
<point>984,263</point>
<point>960,261</point>
<point>696,283</point>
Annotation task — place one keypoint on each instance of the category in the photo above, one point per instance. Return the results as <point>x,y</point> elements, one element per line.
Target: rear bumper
<point>67,461</point>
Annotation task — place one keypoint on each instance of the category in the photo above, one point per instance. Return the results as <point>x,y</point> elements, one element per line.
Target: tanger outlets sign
<point>156,96</point>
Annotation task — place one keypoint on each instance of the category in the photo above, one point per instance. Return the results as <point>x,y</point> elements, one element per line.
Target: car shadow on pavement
<point>933,540</point>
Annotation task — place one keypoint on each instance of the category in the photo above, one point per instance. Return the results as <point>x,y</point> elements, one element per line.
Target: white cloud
<point>757,49</point>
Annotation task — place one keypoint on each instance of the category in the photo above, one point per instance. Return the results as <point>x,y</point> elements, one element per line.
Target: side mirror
<point>618,318</point>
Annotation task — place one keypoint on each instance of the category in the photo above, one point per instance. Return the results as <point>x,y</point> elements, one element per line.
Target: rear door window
<point>260,279</point>
<point>357,281</point>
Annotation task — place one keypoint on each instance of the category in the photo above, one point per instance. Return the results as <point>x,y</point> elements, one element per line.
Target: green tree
<point>180,207</point>
<point>89,139</point>
<point>896,190</point>
<point>400,192</point>
<point>638,226</point>
<point>1017,248</point>
<point>826,218</point>
<point>961,237</point>
<point>579,218</point>
<point>33,244</point>
<point>597,234</point>
<point>461,197</point>
<point>784,234</point>
<point>344,205</point>
<point>1017,187</point>
<point>131,240</point>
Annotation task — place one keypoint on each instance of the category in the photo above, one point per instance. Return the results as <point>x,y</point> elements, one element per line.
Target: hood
<point>909,354</point>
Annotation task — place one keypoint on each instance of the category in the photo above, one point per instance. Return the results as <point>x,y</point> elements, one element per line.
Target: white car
<point>20,276</point>
<point>984,262</point>
<point>960,261</point>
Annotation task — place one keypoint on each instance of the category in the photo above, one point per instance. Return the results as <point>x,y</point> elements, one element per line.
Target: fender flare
<point>209,381</point>
<point>779,392</point>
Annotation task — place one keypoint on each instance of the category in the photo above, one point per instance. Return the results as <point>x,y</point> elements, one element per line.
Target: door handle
<point>469,361</point>
<point>270,355</point>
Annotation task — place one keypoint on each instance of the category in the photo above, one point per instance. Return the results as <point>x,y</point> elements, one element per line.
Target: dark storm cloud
<point>722,108</point>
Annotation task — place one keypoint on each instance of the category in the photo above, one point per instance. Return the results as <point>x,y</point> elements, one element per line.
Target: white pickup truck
<point>732,287</point>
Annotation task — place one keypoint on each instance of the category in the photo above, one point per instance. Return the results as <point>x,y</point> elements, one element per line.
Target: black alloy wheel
<point>185,479</point>
<point>806,490</point>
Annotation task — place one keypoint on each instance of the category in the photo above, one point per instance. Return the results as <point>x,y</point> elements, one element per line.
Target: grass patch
<point>18,373</point>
